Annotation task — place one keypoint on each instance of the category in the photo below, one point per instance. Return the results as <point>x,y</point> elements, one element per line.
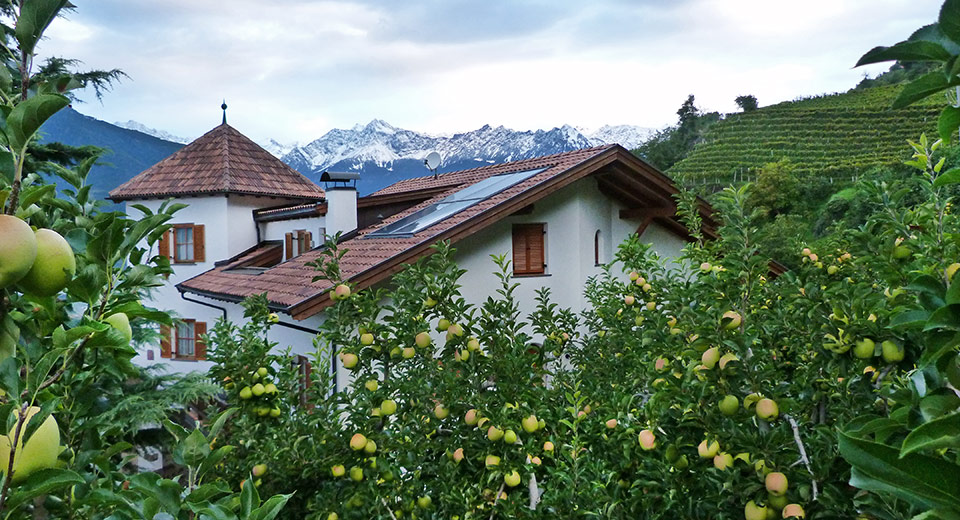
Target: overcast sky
<point>294,69</point>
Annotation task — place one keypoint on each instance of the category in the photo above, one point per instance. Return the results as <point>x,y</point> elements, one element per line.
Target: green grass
<point>831,135</point>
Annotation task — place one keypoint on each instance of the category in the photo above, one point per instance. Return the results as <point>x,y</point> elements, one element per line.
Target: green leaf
<point>27,117</point>
<point>165,492</point>
<point>946,317</point>
<point>35,17</point>
<point>249,498</point>
<point>192,450</point>
<point>949,19</point>
<point>271,508</point>
<point>938,404</point>
<point>939,433</point>
<point>906,51</point>
<point>951,176</point>
<point>221,421</point>
<point>910,318</point>
<point>948,123</point>
<point>10,376</point>
<point>922,87</point>
<point>919,479</point>
<point>938,514</point>
<point>42,483</point>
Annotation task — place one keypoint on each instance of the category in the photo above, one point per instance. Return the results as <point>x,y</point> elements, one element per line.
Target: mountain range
<point>381,153</point>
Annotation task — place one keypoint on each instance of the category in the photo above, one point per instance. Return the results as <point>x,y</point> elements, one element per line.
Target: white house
<point>254,223</point>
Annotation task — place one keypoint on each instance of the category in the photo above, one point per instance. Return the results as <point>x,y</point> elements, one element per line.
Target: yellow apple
<point>512,479</point>
<point>754,512</point>
<point>708,451</point>
<point>39,452</point>
<point>349,359</point>
<point>529,423</point>
<point>18,250</point>
<point>120,322</point>
<point>54,267</point>
<point>358,442</point>
<point>767,409</point>
<point>366,339</point>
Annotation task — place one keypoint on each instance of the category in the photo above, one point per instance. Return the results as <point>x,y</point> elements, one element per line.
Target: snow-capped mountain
<point>385,154</point>
<point>277,148</point>
<point>144,129</point>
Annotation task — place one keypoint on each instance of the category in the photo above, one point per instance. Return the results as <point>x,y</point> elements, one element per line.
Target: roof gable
<point>222,161</point>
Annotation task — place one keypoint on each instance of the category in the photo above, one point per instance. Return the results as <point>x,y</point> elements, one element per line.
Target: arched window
<point>597,243</point>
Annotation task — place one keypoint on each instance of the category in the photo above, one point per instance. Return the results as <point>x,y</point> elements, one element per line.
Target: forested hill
<point>831,135</point>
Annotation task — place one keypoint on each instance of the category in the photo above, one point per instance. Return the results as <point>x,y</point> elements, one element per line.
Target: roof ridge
<point>226,158</point>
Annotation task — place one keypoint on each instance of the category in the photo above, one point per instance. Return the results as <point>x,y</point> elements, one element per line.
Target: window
<point>184,341</point>
<point>184,244</point>
<point>298,242</point>
<point>454,203</point>
<point>528,249</point>
<point>304,369</point>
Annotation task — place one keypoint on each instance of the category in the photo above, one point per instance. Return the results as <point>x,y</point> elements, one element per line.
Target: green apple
<point>408,352</point>
<point>349,359</point>
<point>120,322</point>
<point>901,252</point>
<point>708,450</point>
<point>356,473</point>
<point>258,389</point>
<point>494,433</point>
<point>372,385</point>
<point>510,437</point>
<point>777,502</point>
<point>864,348</point>
<point>710,357</point>
<point>18,250</point>
<point>892,352</point>
<point>949,272</point>
<point>246,393</point>
<point>259,470</point>
<point>754,512</point>
<point>729,405</point>
<point>443,324</point>
<point>731,320</point>
<point>338,470</point>
<point>727,358</point>
<point>370,447</point>
<point>530,423</point>
<point>54,267</point>
<point>273,318</point>
<point>441,412</point>
<point>274,412</point>
<point>262,371</point>
<point>39,452</point>
<point>269,388</point>
<point>424,502</point>
<point>512,479</point>
<point>366,339</point>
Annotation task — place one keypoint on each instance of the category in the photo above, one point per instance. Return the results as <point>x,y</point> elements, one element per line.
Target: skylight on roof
<point>454,203</point>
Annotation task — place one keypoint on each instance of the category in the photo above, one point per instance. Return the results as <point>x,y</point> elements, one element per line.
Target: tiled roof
<point>221,161</point>
<point>289,285</point>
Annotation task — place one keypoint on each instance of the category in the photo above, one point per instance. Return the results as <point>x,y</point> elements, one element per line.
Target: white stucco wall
<point>278,229</point>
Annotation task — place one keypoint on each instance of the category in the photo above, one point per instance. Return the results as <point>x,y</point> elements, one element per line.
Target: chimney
<point>341,193</point>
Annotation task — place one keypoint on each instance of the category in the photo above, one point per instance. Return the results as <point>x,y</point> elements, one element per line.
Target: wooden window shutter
<point>528,253</point>
<point>165,351</point>
<point>289,245</point>
<point>200,347</point>
<point>199,251</point>
<point>163,248</point>
<point>307,241</point>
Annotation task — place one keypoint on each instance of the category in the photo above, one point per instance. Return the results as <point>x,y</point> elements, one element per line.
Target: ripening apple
<point>731,320</point>
<point>651,306</point>
<point>358,442</point>
<point>494,433</point>
<point>529,423</point>
<point>629,299</point>
<point>424,502</point>
<point>671,322</point>
<point>388,407</point>
<point>548,446</point>
<point>120,322</point>
<point>366,339</point>
<point>491,461</point>
<point>356,473</point>
<point>647,440</point>
<point>634,275</point>
<point>793,511</point>
<point>708,451</point>
<point>832,270</point>
<point>471,417</point>
<point>892,352</point>
<point>258,389</point>
<point>18,250</point>
<point>705,267</point>
<point>710,357</point>
<point>372,385</point>
<point>455,330</point>
<point>646,287</point>
<point>338,470</point>
<point>458,455</point>
<point>473,345</point>
<point>440,411</point>
<point>729,405</point>
<point>54,267</point>
<point>611,423</point>
<point>39,452</point>
<point>512,479</point>
<point>536,461</point>
<point>482,422</point>
<point>349,359</point>
<point>340,292</point>
<point>640,281</point>
<point>754,512</point>
<point>443,324</point>
<point>259,470</point>
<point>776,483</point>
<point>423,340</point>
<point>767,409</point>
<point>864,348</point>
<point>727,358</point>
<point>722,461</point>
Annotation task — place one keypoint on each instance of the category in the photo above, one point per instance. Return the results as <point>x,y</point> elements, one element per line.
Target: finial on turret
<point>224,108</point>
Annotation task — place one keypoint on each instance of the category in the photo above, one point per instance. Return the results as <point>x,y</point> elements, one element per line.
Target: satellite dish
<point>432,161</point>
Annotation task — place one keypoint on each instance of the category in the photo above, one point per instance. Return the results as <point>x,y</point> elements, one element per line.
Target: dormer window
<point>184,244</point>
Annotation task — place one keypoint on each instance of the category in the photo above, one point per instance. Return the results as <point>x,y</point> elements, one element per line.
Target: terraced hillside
<point>834,135</point>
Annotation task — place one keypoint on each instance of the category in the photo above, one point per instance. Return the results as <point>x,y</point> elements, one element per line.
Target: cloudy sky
<point>294,69</point>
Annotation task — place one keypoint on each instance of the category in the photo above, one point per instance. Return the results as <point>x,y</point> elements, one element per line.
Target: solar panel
<point>453,203</point>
